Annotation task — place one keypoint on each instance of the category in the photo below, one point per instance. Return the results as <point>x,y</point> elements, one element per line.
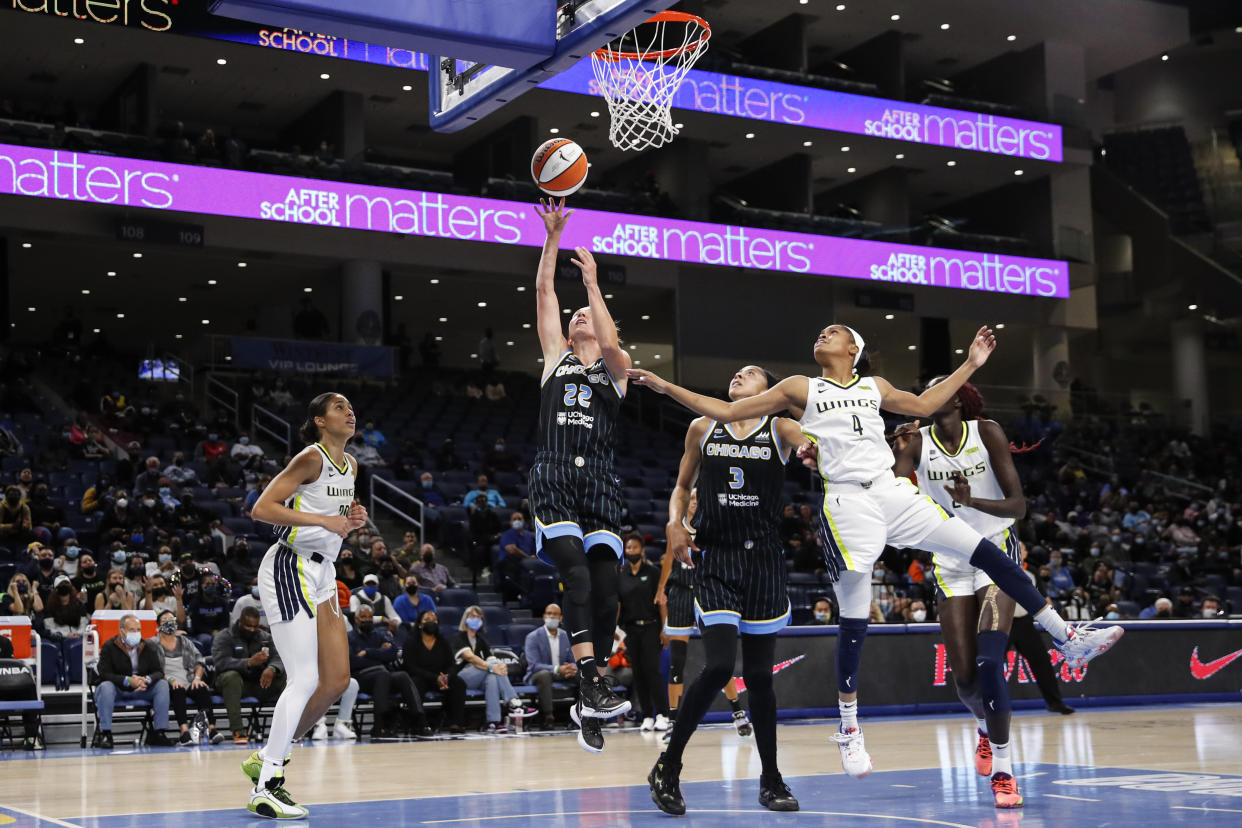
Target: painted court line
<point>1201,808</point>
<point>905,786</point>
<point>1076,798</point>
<point>693,811</point>
<point>52,820</point>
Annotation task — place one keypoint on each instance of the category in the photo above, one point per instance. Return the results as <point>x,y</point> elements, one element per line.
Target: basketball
<point>559,167</point>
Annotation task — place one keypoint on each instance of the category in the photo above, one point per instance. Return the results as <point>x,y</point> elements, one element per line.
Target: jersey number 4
<point>857,427</point>
<point>578,395</point>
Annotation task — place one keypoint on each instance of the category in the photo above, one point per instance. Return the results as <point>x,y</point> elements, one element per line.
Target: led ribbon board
<point>125,182</point>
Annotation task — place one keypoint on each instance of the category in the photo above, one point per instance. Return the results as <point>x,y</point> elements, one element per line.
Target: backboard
<point>483,53</point>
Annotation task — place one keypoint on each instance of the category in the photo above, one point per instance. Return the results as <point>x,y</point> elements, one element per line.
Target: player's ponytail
<point>309,432</point>
<point>863,366</point>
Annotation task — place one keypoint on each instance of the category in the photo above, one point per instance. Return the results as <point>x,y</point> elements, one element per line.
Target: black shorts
<point>743,587</point>
<point>579,501</point>
<point>680,607</point>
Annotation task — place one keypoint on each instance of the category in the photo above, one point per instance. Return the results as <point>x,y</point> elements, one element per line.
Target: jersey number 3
<point>737,478</point>
<point>578,395</point>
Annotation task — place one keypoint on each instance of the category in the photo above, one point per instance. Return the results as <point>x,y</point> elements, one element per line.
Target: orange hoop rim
<point>607,54</point>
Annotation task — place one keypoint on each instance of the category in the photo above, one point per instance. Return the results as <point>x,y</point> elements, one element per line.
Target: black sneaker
<point>217,736</point>
<point>666,787</point>
<point>598,701</point>
<point>775,795</point>
<point>103,739</point>
<point>590,731</point>
<point>185,740</point>
<point>156,738</point>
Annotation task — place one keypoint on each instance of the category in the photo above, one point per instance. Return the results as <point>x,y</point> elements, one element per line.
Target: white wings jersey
<point>937,464</point>
<point>845,424</point>
<point>331,493</point>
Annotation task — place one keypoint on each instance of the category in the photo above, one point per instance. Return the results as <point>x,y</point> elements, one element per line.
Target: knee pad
<point>991,668</point>
<point>677,661</point>
<point>849,653</point>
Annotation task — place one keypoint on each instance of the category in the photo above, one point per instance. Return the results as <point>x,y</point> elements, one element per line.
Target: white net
<point>640,74</point>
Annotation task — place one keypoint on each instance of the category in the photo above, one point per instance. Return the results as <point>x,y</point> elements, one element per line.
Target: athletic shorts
<point>578,501</point>
<point>955,578</point>
<point>290,583</point>
<point>680,608</point>
<point>743,587</point>
<point>857,523</point>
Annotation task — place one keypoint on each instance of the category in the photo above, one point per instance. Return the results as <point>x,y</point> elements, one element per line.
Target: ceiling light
<point>1017,172</point>
<point>807,143</point>
<point>206,321</point>
<point>509,343</point>
<point>1192,307</point>
<point>228,357</point>
<point>594,114</point>
<point>840,7</point>
<point>79,40</point>
<point>912,347</point>
<point>632,347</point>
<point>804,2</point>
<point>31,309</point>
<point>211,281</point>
<point>1000,326</point>
<point>407,88</point>
<point>137,255</point>
<point>888,316</point>
<point>607,295</point>
<point>950,163</point>
<point>539,360</point>
<point>657,356</point>
<point>241,264</point>
<point>845,149</point>
<point>96,330</point>
<point>443,318</point>
<point>646,316</point>
<point>566,310</point>
<point>26,245</point>
<point>482,304</point>
<point>398,298</point>
<point>111,272</point>
<point>178,335</point>
<point>851,169</point>
<point>554,130</point>
<point>638,362</point>
<point>894,17</point>
<point>474,356</point>
<point>324,76</point>
<point>958,351</point>
<point>120,316</point>
<point>222,62</point>
<point>526,325</point>
<point>308,290</point>
<point>678,126</point>
<point>434,281</point>
<point>1164,57</point>
<point>900,156</point>
<point>521,288</point>
<point>439,339</point>
<point>1012,38</point>
<point>944,27</point>
<point>86,291</point>
<point>182,299</point>
<point>750,135</point>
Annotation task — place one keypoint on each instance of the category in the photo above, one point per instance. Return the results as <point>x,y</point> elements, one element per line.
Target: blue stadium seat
<point>457,597</point>
<point>497,617</point>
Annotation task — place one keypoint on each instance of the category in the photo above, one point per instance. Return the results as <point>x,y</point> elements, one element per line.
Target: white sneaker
<point>662,723</point>
<point>274,802</point>
<point>340,730</point>
<point>321,732</point>
<point>854,757</point>
<point>648,725</point>
<point>1085,643</point>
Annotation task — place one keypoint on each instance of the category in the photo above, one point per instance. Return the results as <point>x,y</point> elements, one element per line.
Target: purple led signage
<point>125,182</point>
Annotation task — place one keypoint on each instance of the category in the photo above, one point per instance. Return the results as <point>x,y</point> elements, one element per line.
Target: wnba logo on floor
<point>629,240</point>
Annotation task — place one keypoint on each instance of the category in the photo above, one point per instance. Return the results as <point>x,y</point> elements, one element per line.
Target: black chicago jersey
<point>740,484</point>
<point>578,410</point>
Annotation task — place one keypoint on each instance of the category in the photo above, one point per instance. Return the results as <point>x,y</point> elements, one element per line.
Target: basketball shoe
<point>273,801</point>
<point>590,730</point>
<point>597,700</point>
<point>1085,642</point>
<point>1005,788</point>
<point>742,723</point>
<point>854,757</point>
<point>253,766</point>
<point>983,756</point>
<point>665,786</point>
<point>775,795</point>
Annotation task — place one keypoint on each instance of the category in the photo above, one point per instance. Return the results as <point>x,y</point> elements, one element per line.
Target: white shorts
<point>858,523</point>
<point>956,578</point>
<point>290,583</point>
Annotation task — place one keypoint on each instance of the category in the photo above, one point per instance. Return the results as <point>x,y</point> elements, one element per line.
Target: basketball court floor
<point>1129,766</point>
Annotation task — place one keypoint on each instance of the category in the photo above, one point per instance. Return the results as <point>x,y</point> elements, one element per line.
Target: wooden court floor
<point>1186,764</point>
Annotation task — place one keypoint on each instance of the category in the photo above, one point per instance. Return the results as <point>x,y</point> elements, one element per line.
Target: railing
<point>411,502</point>
<point>220,394</point>
<point>272,424</point>
<point>185,371</point>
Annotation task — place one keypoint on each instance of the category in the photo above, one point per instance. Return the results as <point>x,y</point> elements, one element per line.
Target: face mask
<point>1113,616</point>
<point>209,592</point>
<point>165,557</point>
<point>245,441</point>
<point>45,563</point>
<point>633,559</point>
<point>473,623</point>
<point>168,627</point>
<point>366,627</point>
<point>1116,538</point>
<point>518,524</point>
<point>427,484</point>
<point>88,571</point>
<point>411,591</point>
<point>132,638</point>
<point>499,447</point>
<point>247,635</point>
<point>1095,551</point>
<point>148,502</point>
<point>122,503</point>
<point>429,559</point>
<point>431,627</point>
<point>370,591</point>
<point>212,437</point>
<point>134,572</point>
<point>919,615</point>
<point>254,592</point>
<point>1209,613</point>
<point>551,623</point>
<point>136,539</point>
<point>63,589</point>
<point>118,556</point>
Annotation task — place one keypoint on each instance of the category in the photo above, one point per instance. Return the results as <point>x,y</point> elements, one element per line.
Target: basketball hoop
<point>640,73</point>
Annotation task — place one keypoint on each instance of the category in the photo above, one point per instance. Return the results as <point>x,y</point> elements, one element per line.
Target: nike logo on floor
<point>1202,671</point>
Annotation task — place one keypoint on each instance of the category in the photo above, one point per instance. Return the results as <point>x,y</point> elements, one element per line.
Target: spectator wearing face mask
<point>821,612</point>
<point>208,613</point>
<point>43,568</point>
<point>129,669</point>
<point>1184,607</point>
<point>212,448</point>
<point>249,599</point>
<point>916,612</point>
<point>431,494</point>
<point>482,490</point>
<point>114,595</point>
<point>548,659</point>
<point>368,595</point>
<point>1161,609</point>
<point>161,598</point>
<point>1061,577</point>
<point>16,526</point>
<point>432,575</point>
<point>64,614</point>
<point>252,496</point>
<point>163,564</point>
<point>149,480</point>
<point>516,545</point>
<point>428,658</point>
<point>499,458</point>
<point>246,454</point>
<point>89,581</point>
<point>184,670</point>
<point>372,652</point>
<point>136,577</point>
<point>480,670</point>
<point>410,604</point>
<point>181,473</point>
<point>246,664</point>
<point>21,598</point>
<point>1210,608</point>
<point>347,571</point>
<point>70,556</point>
<point>390,583</point>
<point>120,521</point>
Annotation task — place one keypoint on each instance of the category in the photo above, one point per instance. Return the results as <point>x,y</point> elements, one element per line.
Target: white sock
<point>849,714</point>
<point>983,726</point>
<point>270,769</point>
<point>1001,761</point>
<point>1053,623</point>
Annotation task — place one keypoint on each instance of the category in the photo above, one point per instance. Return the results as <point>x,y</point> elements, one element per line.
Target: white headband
<point>858,340</point>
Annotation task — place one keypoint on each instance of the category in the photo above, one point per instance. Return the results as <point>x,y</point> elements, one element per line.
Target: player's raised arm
<point>675,533</point>
<point>927,403</point>
<point>615,357</point>
<point>790,393</point>
<point>548,310</point>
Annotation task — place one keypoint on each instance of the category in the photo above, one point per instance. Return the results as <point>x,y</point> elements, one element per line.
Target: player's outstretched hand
<point>586,263</point>
<point>554,215</point>
<point>808,453</point>
<point>982,347</point>
<point>901,436</point>
<point>647,380</point>
<point>677,538</point>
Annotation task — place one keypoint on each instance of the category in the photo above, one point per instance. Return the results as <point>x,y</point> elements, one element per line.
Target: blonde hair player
<point>866,507</point>
<point>311,503</point>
